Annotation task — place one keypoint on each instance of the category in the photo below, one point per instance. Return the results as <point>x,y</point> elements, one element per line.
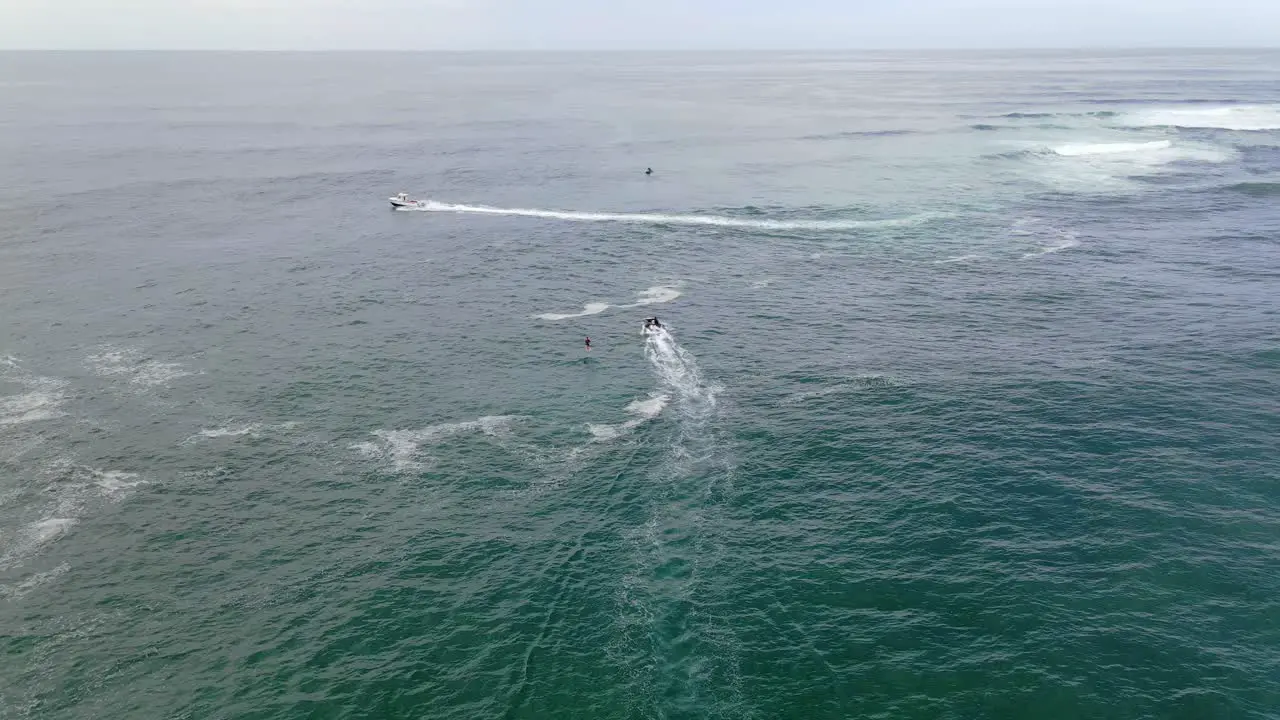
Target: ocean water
<point>966,406</point>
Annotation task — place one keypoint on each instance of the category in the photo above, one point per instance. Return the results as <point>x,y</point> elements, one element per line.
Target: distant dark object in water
<point>648,171</point>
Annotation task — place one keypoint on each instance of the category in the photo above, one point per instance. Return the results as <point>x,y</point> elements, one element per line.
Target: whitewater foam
<point>31,538</point>
<point>655,296</point>
<point>643,410</point>
<point>133,366</point>
<point>30,407</point>
<point>588,309</point>
<point>41,401</point>
<point>401,449</point>
<point>671,219</point>
<point>114,483</point>
<point>254,430</point>
<point>1106,165</point>
<point>678,371</point>
<point>1115,148</point>
<point>650,296</point>
<point>1229,117</point>
<point>72,478</point>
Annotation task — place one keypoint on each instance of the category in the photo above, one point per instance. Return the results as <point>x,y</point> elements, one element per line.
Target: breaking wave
<point>1104,166</point>
<point>1231,117</point>
<point>1087,149</point>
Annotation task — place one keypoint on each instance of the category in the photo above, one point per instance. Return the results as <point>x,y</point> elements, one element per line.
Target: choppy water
<point>967,406</point>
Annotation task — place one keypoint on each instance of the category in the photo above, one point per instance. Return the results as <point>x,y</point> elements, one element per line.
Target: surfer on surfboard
<point>588,344</point>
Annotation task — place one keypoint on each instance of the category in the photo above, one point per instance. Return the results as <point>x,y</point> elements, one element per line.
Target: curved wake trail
<point>677,369</point>
<point>669,618</point>
<point>669,219</point>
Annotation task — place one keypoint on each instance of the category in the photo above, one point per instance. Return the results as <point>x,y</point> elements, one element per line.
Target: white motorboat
<point>402,200</point>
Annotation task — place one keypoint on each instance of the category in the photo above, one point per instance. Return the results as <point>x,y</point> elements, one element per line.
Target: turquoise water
<point>966,406</point>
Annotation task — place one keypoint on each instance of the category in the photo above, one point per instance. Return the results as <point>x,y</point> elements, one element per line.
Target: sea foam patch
<point>650,296</point>
<point>41,403</point>
<point>402,449</point>
<point>134,367</point>
<point>38,398</point>
<point>30,539</point>
<point>249,430</point>
<point>641,410</point>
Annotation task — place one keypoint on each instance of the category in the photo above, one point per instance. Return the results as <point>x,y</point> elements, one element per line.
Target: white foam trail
<point>1231,117</point>
<point>678,371</point>
<point>401,448</point>
<point>669,219</point>
<point>651,296</point>
<point>643,410</point>
<point>956,259</point>
<point>588,309</point>
<point>1086,149</point>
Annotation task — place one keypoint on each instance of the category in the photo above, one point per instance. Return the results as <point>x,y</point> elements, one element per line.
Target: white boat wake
<point>670,219</point>
<point>678,372</point>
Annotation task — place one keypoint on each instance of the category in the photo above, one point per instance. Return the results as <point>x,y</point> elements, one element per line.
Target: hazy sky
<point>634,24</point>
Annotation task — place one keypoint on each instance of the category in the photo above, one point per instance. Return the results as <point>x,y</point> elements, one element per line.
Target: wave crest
<point>1230,117</point>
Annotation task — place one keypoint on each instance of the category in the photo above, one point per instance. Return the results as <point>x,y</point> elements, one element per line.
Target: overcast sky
<point>634,24</point>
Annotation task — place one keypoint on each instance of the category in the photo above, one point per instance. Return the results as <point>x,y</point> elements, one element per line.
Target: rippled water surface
<point>966,405</point>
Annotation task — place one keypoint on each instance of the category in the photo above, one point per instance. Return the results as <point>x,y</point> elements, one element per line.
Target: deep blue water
<point>966,406</point>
